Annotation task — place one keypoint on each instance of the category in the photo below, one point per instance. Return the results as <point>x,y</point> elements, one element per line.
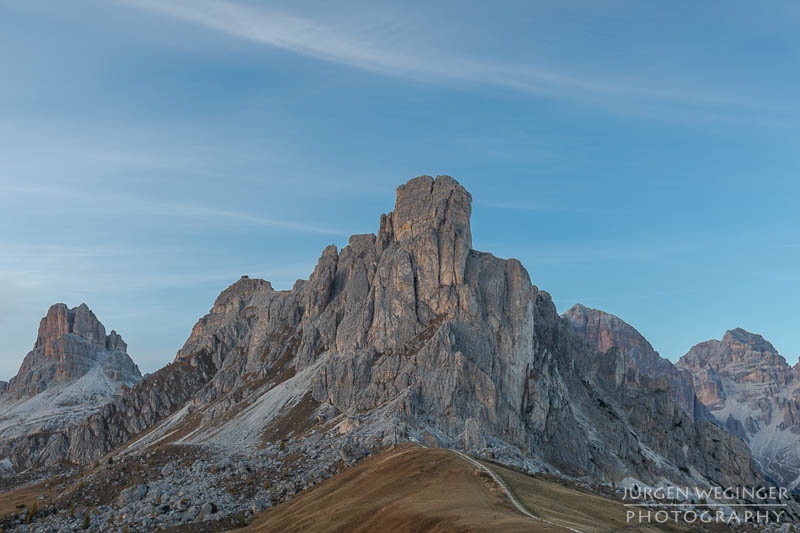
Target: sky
<point>638,157</point>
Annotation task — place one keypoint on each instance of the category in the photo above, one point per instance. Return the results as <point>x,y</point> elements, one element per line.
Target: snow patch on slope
<point>58,406</point>
<point>244,430</point>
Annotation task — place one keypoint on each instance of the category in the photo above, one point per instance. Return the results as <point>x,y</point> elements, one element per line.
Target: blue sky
<point>638,157</point>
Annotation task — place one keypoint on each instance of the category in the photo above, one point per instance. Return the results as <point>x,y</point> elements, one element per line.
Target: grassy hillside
<point>406,488</point>
<point>409,488</point>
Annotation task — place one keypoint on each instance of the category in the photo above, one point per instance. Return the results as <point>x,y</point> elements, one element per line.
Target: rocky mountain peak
<point>60,321</point>
<point>744,346</point>
<point>605,330</point>
<point>431,219</point>
<point>741,358</point>
<point>440,204</point>
<point>69,344</point>
<point>750,388</point>
<point>739,352</point>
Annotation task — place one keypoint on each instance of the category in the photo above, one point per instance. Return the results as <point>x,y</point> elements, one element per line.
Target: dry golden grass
<point>404,489</point>
<point>410,488</point>
<point>12,501</point>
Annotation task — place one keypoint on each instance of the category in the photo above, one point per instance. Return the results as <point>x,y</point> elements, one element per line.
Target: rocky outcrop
<point>754,393</point>
<point>457,348</point>
<point>73,370</point>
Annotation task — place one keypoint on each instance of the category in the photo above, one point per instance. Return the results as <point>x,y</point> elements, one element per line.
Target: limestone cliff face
<point>411,334</point>
<point>749,387</point>
<point>73,370</point>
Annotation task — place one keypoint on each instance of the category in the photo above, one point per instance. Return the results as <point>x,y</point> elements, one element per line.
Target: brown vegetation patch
<point>295,422</point>
<point>29,497</point>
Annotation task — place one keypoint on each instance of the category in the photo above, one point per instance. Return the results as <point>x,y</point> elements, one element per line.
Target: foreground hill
<point>409,488</point>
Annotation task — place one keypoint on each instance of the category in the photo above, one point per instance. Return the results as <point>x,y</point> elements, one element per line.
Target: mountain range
<point>408,335</point>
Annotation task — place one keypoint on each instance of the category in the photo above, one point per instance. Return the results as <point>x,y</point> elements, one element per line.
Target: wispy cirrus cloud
<point>200,213</point>
<point>371,50</point>
<point>526,206</point>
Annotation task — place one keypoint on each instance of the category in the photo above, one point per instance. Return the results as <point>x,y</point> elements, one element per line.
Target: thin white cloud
<point>288,32</point>
<point>524,206</point>
<point>575,253</point>
<point>66,269</point>
<point>149,207</point>
<point>367,50</point>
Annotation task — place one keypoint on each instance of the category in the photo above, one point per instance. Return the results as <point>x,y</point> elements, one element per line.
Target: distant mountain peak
<point>753,341</point>
<point>69,344</point>
<point>738,349</point>
<point>751,388</point>
<point>61,320</point>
